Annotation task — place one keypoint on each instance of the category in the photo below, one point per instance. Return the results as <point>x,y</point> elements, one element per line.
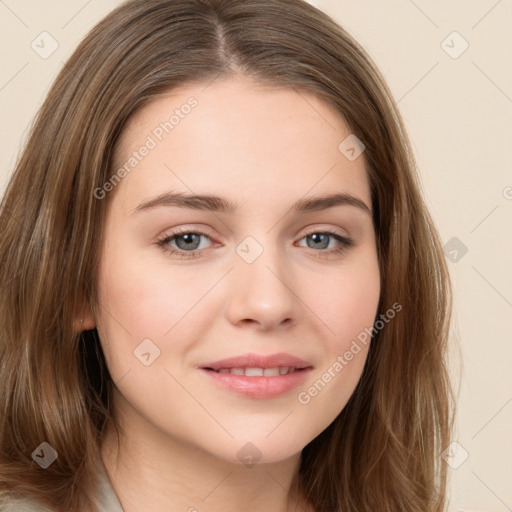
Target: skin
<point>264,149</point>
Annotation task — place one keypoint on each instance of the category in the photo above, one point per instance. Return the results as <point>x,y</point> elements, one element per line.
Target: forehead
<point>235,137</point>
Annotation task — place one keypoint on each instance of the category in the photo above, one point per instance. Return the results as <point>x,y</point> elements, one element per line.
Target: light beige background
<point>458,112</point>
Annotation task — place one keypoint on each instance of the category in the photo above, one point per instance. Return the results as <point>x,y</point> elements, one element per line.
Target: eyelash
<point>345,243</point>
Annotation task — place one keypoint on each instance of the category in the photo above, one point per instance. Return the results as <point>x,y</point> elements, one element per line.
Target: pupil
<point>315,239</point>
<point>188,240</point>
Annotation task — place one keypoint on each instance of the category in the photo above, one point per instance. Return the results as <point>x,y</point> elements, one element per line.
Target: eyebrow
<point>214,203</point>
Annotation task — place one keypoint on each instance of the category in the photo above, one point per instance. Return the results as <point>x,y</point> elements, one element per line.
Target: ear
<point>83,319</point>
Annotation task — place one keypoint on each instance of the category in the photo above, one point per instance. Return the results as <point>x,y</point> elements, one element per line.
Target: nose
<point>262,292</point>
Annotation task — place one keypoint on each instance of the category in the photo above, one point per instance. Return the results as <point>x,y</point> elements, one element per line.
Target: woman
<point>264,369</point>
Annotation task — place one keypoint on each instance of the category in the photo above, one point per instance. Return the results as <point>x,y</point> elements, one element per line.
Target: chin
<point>258,450</point>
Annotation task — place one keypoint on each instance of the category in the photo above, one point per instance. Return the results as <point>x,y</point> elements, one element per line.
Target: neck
<point>155,472</point>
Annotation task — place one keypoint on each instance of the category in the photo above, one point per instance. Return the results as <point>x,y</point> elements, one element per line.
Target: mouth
<point>259,372</point>
<point>257,376</point>
<point>259,365</point>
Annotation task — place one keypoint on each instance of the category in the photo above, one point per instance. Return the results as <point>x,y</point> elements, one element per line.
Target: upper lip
<point>258,361</point>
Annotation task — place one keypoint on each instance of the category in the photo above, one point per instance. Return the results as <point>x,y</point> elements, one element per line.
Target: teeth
<point>259,372</point>
<point>254,372</point>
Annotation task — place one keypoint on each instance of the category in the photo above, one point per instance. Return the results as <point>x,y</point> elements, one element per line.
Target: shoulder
<point>104,498</point>
<point>18,504</point>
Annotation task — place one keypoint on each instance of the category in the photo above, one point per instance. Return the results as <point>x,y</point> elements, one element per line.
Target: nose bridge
<point>261,286</point>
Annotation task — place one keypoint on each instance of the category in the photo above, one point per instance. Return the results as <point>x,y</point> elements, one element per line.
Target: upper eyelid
<point>204,232</point>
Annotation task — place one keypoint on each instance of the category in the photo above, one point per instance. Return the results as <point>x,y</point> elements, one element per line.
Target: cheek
<point>349,300</point>
<point>348,309</point>
<point>144,299</point>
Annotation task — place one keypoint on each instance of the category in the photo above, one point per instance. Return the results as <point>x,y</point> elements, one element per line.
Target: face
<point>185,285</point>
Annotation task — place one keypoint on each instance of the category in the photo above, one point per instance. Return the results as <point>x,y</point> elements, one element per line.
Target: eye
<point>320,240</point>
<point>188,242</point>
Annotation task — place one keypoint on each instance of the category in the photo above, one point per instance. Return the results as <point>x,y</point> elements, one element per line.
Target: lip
<point>258,361</point>
<point>258,387</point>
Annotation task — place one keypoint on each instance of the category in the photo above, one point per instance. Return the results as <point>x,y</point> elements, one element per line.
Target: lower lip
<point>258,387</point>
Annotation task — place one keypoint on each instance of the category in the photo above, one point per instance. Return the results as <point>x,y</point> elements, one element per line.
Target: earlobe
<point>84,320</point>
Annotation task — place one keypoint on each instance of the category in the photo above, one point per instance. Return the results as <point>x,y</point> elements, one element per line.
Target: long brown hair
<point>383,451</point>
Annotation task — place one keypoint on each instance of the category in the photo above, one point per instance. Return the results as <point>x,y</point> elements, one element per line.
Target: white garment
<point>105,499</point>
